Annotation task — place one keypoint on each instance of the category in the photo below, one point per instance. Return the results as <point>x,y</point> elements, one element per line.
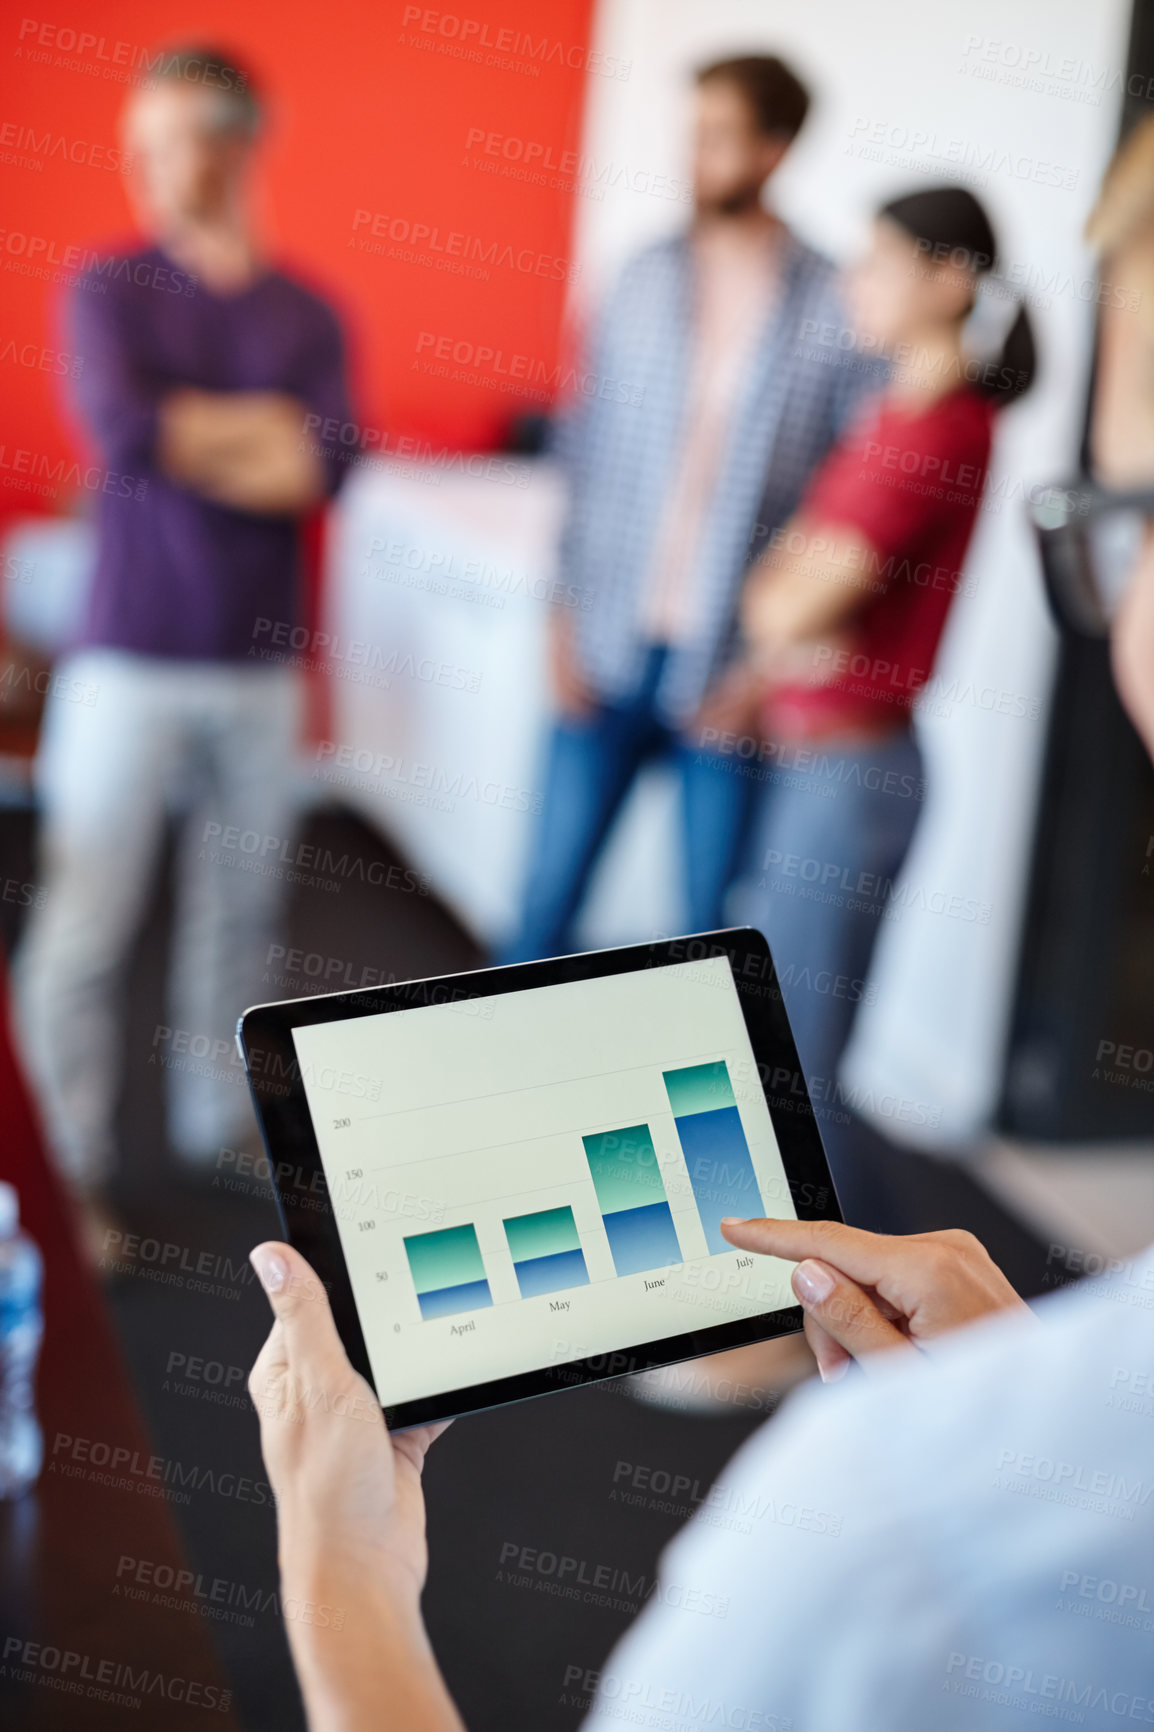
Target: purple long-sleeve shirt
<point>175,574</point>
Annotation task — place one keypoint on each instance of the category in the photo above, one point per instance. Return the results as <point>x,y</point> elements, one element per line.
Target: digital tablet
<point>512,1181</point>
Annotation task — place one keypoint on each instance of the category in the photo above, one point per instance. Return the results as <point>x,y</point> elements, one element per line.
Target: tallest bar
<point>713,1142</point>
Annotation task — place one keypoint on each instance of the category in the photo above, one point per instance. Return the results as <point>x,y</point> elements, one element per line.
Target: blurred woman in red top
<point>844,611</point>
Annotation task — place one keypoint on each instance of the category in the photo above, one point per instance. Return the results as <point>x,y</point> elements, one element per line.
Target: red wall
<point>371,110</point>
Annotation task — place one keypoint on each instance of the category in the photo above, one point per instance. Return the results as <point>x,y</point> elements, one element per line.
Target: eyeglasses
<point>1088,538</point>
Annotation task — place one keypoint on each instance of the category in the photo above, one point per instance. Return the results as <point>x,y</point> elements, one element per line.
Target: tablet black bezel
<point>265,1036</point>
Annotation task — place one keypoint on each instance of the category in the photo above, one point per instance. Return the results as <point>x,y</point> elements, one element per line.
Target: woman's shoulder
<point>959,423</point>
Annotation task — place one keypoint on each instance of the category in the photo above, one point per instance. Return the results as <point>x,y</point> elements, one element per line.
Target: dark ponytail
<point>1017,363</point>
<point>950,226</point>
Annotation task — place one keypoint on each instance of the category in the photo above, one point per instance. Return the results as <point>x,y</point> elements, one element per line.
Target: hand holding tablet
<point>513,1181</point>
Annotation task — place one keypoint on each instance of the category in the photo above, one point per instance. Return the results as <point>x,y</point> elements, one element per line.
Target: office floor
<point>541,1478</point>
<point>1097,1195</point>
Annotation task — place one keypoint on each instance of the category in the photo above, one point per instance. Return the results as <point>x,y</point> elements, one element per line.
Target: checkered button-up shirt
<point>620,449</point>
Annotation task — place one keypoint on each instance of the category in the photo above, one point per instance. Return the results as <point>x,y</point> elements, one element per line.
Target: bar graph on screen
<point>570,1157</point>
<point>631,1197</point>
<point>714,1145</point>
<point>545,1245</point>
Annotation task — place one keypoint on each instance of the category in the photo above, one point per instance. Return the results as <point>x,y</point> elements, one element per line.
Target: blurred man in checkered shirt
<point>671,495</point>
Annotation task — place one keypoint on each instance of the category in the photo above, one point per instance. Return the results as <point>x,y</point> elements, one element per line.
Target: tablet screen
<point>534,1177</point>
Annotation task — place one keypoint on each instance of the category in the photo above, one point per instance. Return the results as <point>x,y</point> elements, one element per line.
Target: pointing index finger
<point>865,1257</point>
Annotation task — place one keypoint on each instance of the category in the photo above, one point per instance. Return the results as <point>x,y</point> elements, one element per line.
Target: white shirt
<point>964,1541</point>
<point>735,277</point>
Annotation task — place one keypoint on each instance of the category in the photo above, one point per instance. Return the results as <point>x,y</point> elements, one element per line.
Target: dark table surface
<point>76,1652</point>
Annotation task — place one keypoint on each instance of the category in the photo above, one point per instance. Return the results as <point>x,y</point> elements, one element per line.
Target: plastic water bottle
<point>21,1327</point>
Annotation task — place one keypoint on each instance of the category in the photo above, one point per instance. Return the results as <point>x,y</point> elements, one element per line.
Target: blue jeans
<point>827,841</point>
<point>590,767</point>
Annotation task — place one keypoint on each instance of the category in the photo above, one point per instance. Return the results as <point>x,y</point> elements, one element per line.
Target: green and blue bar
<point>632,1200</point>
<point>546,1252</point>
<point>713,1142</point>
<point>448,1271</point>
